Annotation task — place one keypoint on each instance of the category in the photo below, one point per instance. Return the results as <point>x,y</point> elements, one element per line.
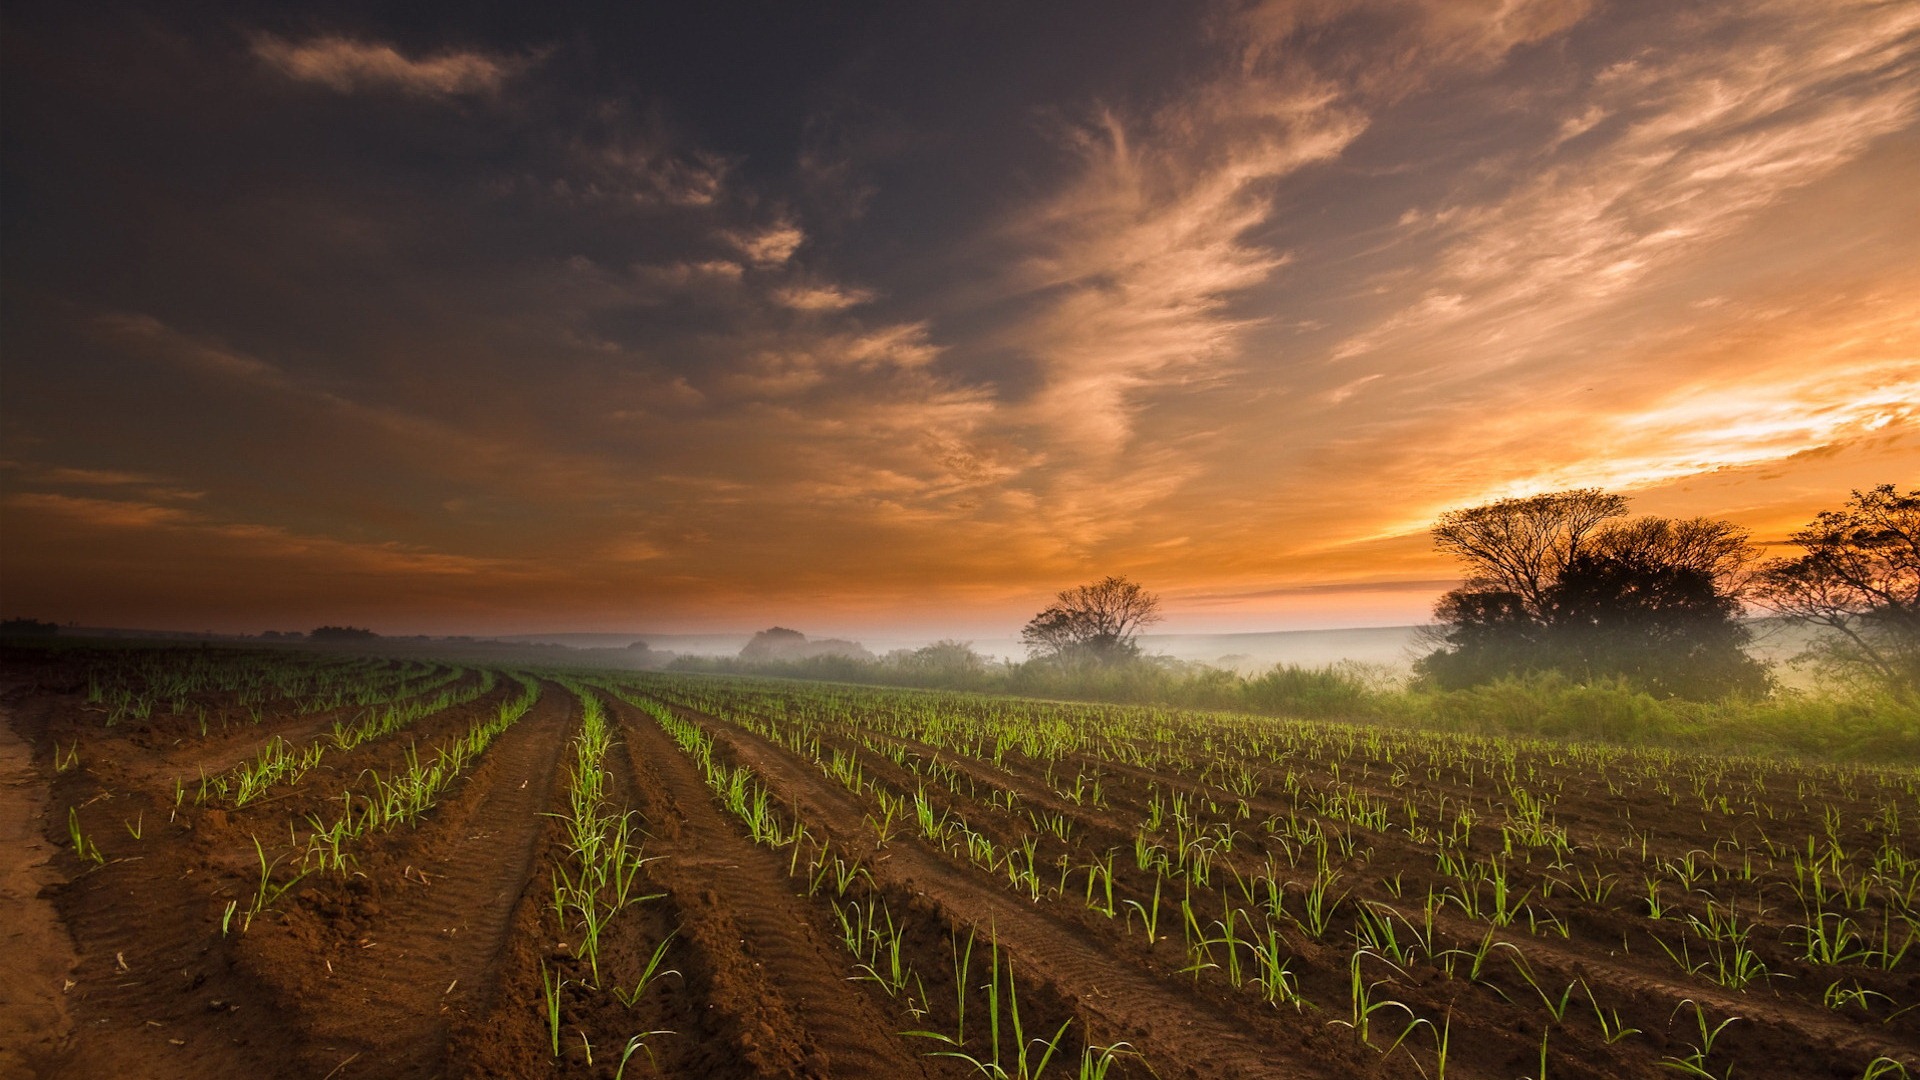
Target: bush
<point>1315,693</point>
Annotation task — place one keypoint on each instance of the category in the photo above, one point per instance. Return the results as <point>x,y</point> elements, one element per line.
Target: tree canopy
<point>1096,622</point>
<point>1860,580</point>
<point>1556,582</point>
<point>1519,546</point>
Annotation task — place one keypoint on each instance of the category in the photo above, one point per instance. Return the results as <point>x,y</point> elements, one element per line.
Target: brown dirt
<point>782,986</point>
<point>1496,1023</point>
<point>428,959</point>
<point>1159,1017</point>
<point>36,957</point>
<point>382,999</point>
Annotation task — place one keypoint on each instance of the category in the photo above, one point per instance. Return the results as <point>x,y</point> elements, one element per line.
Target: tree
<point>779,644</point>
<point>1650,618</point>
<point>1095,622</point>
<point>1519,546</point>
<point>1859,580</point>
<point>1554,583</point>
<point>1718,549</point>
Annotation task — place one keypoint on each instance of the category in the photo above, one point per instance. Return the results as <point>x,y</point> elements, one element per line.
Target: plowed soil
<point>441,952</point>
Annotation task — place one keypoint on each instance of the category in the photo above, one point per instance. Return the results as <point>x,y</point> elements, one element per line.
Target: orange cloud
<point>347,66</point>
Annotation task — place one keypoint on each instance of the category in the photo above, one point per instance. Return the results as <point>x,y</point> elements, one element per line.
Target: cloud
<point>1805,383</point>
<point>797,363</point>
<point>1136,276</point>
<point>820,297</point>
<point>94,477</point>
<point>770,246</point>
<point>1702,137</point>
<point>1141,257</point>
<point>1136,259</point>
<point>621,154</point>
<point>1425,586</point>
<point>102,513</point>
<point>1383,50</point>
<point>254,540</point>
<point>347,66</point>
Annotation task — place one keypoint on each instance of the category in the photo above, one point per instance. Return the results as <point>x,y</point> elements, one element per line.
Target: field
<point>289,863</point>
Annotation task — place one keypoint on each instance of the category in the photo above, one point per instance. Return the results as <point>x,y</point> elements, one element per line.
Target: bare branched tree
<point>1098,621</point>
<point>1520,546</point>
<point>1721,550</point>
<point>1860,579</point>
<point>1556,583</point>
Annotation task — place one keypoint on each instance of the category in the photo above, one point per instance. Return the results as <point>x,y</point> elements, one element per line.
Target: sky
<point>883,318</point>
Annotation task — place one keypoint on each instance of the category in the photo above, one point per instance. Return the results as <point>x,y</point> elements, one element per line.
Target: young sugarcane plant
<point>647,976</point>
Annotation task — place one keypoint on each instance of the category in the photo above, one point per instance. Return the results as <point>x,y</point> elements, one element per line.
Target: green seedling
<point>648,975</point>
<point>1695,1064</point>
<point>82,847</point>
<point>550,988</point>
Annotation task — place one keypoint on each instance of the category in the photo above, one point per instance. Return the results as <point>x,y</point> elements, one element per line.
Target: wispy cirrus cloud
<point>1143,272</point>
<point>1135,260</point>
<point>271,542</point>
<point>1616,303</point>
<point>1663,154</point>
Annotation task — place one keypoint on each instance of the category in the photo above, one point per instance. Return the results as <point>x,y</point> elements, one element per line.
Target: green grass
<point>1859,726</point>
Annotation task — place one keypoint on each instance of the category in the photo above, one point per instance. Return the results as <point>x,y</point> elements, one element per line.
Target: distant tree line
<point>1574,621</point>
<point>341,633</point>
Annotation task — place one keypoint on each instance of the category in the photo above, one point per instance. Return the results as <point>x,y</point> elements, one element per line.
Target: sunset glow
<point>898,322</point>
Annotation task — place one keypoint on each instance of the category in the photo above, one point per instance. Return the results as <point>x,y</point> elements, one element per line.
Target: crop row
<point>280,762</point>
<point>1003,1041</point>
<point>376,803</point>
<point>1237,885</point>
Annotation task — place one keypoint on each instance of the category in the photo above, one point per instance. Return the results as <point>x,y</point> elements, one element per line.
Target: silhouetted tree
<point>1658,623</point>
<point>1485,633</point>
<point>341,633</point>
<point>1096,622</point>
<point>1519,546</point>
<point>1860,580</point>
<point>1555,584</point>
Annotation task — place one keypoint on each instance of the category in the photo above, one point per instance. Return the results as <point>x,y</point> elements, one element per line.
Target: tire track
<point>156,981</point>
<point>385,1008</point>
<point>783,982</point>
